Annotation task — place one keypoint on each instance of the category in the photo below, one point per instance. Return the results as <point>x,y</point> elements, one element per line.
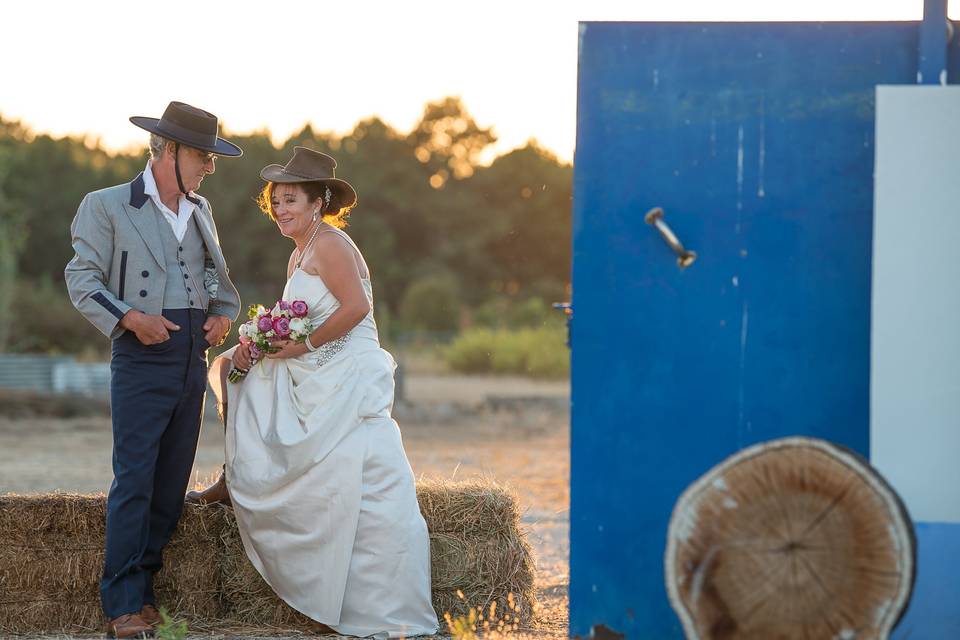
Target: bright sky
<point>84,67</point>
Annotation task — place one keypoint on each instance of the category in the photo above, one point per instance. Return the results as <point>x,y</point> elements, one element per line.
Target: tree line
<point>450,242</point>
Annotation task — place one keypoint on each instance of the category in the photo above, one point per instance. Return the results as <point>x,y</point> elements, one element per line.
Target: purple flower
<point>281,326</point>
<point>255,351</point>
<point>265,323</point>
<point>299,308</point>
<point>284,305</point>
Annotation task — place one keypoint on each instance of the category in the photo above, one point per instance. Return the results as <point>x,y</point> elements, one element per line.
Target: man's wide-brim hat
<point>189,126</point>
<point>308,165</point>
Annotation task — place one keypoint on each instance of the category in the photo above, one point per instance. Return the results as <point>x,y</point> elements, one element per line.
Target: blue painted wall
<point>757,140</point>
<point>934,612</point>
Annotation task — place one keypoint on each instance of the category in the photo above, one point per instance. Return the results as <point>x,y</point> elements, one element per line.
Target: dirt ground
<point>454,427</point>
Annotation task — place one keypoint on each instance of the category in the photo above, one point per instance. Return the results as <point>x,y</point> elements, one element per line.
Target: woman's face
<point>292,212</point>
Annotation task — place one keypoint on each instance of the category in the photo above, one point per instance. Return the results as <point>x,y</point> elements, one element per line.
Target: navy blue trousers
<point>156,396</point>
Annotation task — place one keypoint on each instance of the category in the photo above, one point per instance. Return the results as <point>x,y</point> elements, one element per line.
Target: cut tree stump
<point>793,538</point>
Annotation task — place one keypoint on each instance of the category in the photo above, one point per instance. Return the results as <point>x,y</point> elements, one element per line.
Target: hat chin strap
<point>176,169</point>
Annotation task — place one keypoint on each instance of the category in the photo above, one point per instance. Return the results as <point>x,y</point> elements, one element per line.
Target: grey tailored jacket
<point>118,261</point>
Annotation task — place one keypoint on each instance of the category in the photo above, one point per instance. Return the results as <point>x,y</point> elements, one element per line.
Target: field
<point>511,429</point>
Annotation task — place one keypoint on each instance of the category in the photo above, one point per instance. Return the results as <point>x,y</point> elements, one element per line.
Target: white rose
<point>297,325</point>
<point>276,312</point>
<point>244,330</point>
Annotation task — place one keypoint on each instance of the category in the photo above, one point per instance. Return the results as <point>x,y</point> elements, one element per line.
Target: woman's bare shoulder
<point>330,250</point>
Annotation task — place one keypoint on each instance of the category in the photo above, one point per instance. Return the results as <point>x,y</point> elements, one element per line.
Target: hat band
<point>186,136</point>
<point>300,175</point>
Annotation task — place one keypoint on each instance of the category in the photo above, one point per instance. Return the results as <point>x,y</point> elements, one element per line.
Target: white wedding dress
<point>324,496</point>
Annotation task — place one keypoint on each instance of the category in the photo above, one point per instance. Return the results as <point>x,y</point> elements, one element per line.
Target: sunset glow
<point>73,69</point>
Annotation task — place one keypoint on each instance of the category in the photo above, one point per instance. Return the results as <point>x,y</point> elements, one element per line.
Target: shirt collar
<point>150,189</point>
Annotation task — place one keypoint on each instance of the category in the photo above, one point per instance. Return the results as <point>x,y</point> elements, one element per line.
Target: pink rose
<point>299,308</point>
<point>265,323</point>
<point>245,340</point>
<point>255,352</point>
<point>281,326</point>
<point>284,305</point>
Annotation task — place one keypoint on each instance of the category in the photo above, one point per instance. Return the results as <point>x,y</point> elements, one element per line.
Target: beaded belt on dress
<point>325,352</point>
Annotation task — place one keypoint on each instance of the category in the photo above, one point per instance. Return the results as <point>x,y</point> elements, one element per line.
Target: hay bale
<point>478,551</point>
<point>51,558</point>
<point>247,599</point>
<point>478,555</point>
<point>189,584</point>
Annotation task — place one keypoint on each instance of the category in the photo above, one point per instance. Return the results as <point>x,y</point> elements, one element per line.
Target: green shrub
<point>510,351</point>
<point>540,353</point>
<point>431,303</point>
<point>471,351</point>
<point>502,312</point>
<point>51,324</point>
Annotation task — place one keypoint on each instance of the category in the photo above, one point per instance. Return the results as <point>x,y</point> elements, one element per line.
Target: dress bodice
<point>321,304</point>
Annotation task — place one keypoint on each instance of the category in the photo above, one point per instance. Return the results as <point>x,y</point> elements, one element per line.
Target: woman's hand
<point>287,349</point>
<point>241,357</point>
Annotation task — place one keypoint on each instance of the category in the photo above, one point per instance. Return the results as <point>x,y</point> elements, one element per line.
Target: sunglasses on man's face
<point>204,156</point>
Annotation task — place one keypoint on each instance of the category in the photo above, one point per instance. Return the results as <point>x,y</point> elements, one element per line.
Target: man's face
<point>195,165</point>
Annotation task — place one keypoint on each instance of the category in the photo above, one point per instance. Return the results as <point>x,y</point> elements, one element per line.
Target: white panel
<point>915,342</point>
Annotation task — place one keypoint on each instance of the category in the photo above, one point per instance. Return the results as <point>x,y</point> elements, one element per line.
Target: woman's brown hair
<point>333,212</point>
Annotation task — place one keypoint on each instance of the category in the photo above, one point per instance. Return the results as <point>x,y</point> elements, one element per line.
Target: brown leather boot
<point>130,625</point>
<point>214,494</point>
<point>150,615</point>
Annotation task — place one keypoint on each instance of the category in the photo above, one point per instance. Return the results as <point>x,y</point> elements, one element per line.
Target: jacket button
<point>186,277</point>
<point>189,289</point>
<point>179,248</point>
<point>145,273</point>
<point>182,263</point>
<point>143,293</point>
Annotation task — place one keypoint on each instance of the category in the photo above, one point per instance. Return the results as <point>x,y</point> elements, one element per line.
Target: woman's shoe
<point>214,494</point>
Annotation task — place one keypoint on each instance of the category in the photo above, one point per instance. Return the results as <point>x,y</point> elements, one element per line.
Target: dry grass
<point>51,557</point>
<point>478,551</point>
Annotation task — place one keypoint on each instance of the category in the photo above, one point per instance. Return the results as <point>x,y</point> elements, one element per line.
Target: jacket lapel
<point>144,219</point>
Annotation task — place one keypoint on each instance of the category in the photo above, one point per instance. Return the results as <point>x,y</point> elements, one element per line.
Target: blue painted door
<point>757,141</point>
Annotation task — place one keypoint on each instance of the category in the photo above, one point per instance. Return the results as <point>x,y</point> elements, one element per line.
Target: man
<point>149,273</point>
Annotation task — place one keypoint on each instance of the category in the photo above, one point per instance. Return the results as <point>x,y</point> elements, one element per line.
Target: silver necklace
<point>304,252</point>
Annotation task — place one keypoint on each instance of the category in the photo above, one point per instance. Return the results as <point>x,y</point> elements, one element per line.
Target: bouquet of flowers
<point>284,321</point>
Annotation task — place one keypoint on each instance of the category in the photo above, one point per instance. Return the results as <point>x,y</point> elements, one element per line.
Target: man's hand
<point>148,329</point>
<point>216,328</point>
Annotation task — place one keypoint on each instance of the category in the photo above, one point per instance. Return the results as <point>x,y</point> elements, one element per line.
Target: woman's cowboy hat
<point>189,126</point>
<point>308,165</point>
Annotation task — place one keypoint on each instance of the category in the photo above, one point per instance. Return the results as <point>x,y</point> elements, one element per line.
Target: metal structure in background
<point>757,139</point>
<point>54,374</point>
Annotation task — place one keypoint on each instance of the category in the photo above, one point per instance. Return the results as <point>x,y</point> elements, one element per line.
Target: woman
<point>323,493</point>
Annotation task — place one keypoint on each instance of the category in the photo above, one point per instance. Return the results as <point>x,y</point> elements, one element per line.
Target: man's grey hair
<point>157,145</point>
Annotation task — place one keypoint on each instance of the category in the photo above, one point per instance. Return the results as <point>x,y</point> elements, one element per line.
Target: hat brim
<point>221,148</point>
<point>277,173</point>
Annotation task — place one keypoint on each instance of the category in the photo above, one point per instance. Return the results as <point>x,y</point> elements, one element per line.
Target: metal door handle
<point>685,258</point>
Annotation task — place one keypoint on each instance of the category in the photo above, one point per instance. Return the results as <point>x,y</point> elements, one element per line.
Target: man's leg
<point>177,451</point>
<point>143,397</point>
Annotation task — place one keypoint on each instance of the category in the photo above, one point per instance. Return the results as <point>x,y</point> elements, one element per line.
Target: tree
<point>448,141</point>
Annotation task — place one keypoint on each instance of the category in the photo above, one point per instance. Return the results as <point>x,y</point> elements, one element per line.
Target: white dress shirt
<point>178,221</point>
